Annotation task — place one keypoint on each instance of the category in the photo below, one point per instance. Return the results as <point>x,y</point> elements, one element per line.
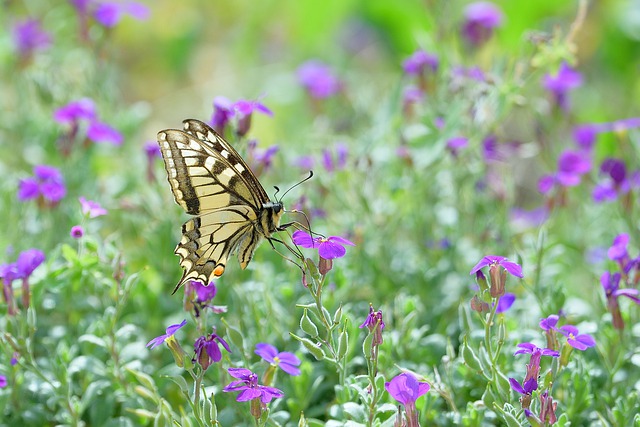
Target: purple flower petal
<point>266,351</point>
<point>505,302</point>
<point>101,132</point>
<point>302,238</point>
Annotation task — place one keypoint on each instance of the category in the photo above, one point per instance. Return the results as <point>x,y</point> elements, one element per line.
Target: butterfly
<point>210,180</point>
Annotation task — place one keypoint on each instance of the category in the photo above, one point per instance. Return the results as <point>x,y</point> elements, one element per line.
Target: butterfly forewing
<point>210,179</point>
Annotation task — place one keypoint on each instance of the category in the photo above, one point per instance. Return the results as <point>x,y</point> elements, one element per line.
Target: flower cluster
<point>83,113</point>
<point>46,186</point>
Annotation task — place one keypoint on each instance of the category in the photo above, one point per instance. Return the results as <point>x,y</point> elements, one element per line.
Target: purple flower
<point>455,144</point>
<point>505,302</point>
<point>91,208</point>
<point>110,13</point>
<point>530,348</point>
<point>47,183</point>
<point>263,157</point>
<point>549,323</point>
<point>571,166</point>
<point>342,151</point>
<point>575,339</point>
<point>493,260</point>
<point>243,110</point>
<point>328,248</point>
<point>611,286</point>
<point>618,250</point>
<point>527,388</point>
<point>289,362</point>
<point>222,113</point>
<point>375,324</point>
<point>204,293</point>
<point>100,132</point>
<point>249,387</point>
<point>73,112</point>
<point>27,262</point>
<point>318,79</point>
<point>419,62</point>
<point>304,162</point>
<point>3,381</point>
<point>529,218</point>
<point>561,83</point>
<point>585,135</point>
<point>171,330</point>
<point>152,150</point>
<point>406,389</point>
<point>616,181</point>
<point>29,36</point>
<point>77,231</point>
<point>480,20</point>
<point>207,349</point>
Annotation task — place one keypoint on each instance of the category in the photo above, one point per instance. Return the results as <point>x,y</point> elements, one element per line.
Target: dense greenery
<point>439,132</point>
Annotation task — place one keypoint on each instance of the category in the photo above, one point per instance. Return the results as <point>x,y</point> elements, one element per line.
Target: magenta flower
<point>243,110</point>
<point>549,323</point>
<point>3,381</point>
<point>73,112</point>
<point>481,18</point>
<point>289,362</point>
<point>207,349</point>
<point>618,250</point>
<point>328,248</point>
<point>203,293</point>
<point>318,79</point>
<point>419,62</point>
<point>76,231</point>
<point>304,162</point>
<point>47,183</point>
<point>152,150</point>
<point>171,330</point>
<point>100,132</point>
<point>29,37</point>
<point>249,388</point>
<point>262,159</point>
<point>109,13</point>
<point>91,209</point>
<point>561,83</point>
<point>575,339</point>
<point>406,389</point>
<point>490,260</point>
<point>615,181</point>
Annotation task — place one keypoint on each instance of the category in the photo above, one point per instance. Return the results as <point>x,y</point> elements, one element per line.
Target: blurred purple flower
<point>618,250</point>
<point>207,349</point>
<point>341,151</point>
<point>495,260</point>
<point>47,183</point>
<point>3,381</point>
<point>222,113</point>
<point>100,132</point>
<point>243,111</point>
<point>27,262</point>
<point>611,286</point>
<point>549,323</point>
<point>73,112</point>
<point>90,208</point>
<point>328,248</point>
<point>264,157</point>
<point>249,387</point>
<point>411,95</point>
<point>585,135</point>
<point>505,302</point>
<point>171,330</point>
<point>109,13</point>
<point>29,36</point>
<point>529,218</point>
<point>152,150</point>
<point>304,162</point>
<point>77,231</point>
<point>561,83</point>
<point>289,362</point>
<point>615,181</point>
<point>571,166</point>
<point>420,62</point>
<point>480,19</point>
<point>575,339</point>
<point>455,144</point>
<point>459,73</point>
<point>318,79</point>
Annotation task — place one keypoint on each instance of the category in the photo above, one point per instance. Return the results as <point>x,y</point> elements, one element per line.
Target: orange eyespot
<point>218,270</point>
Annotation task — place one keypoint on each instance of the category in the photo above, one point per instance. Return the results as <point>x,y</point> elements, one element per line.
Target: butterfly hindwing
<point>209,179</point>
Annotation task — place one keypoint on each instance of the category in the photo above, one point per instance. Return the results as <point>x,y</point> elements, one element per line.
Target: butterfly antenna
<point>294,186</point>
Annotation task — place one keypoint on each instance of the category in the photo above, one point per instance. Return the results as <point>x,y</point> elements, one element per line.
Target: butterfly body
<point>232,211</point>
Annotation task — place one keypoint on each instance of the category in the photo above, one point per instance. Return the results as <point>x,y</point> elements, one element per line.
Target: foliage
<point>439,135</point>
